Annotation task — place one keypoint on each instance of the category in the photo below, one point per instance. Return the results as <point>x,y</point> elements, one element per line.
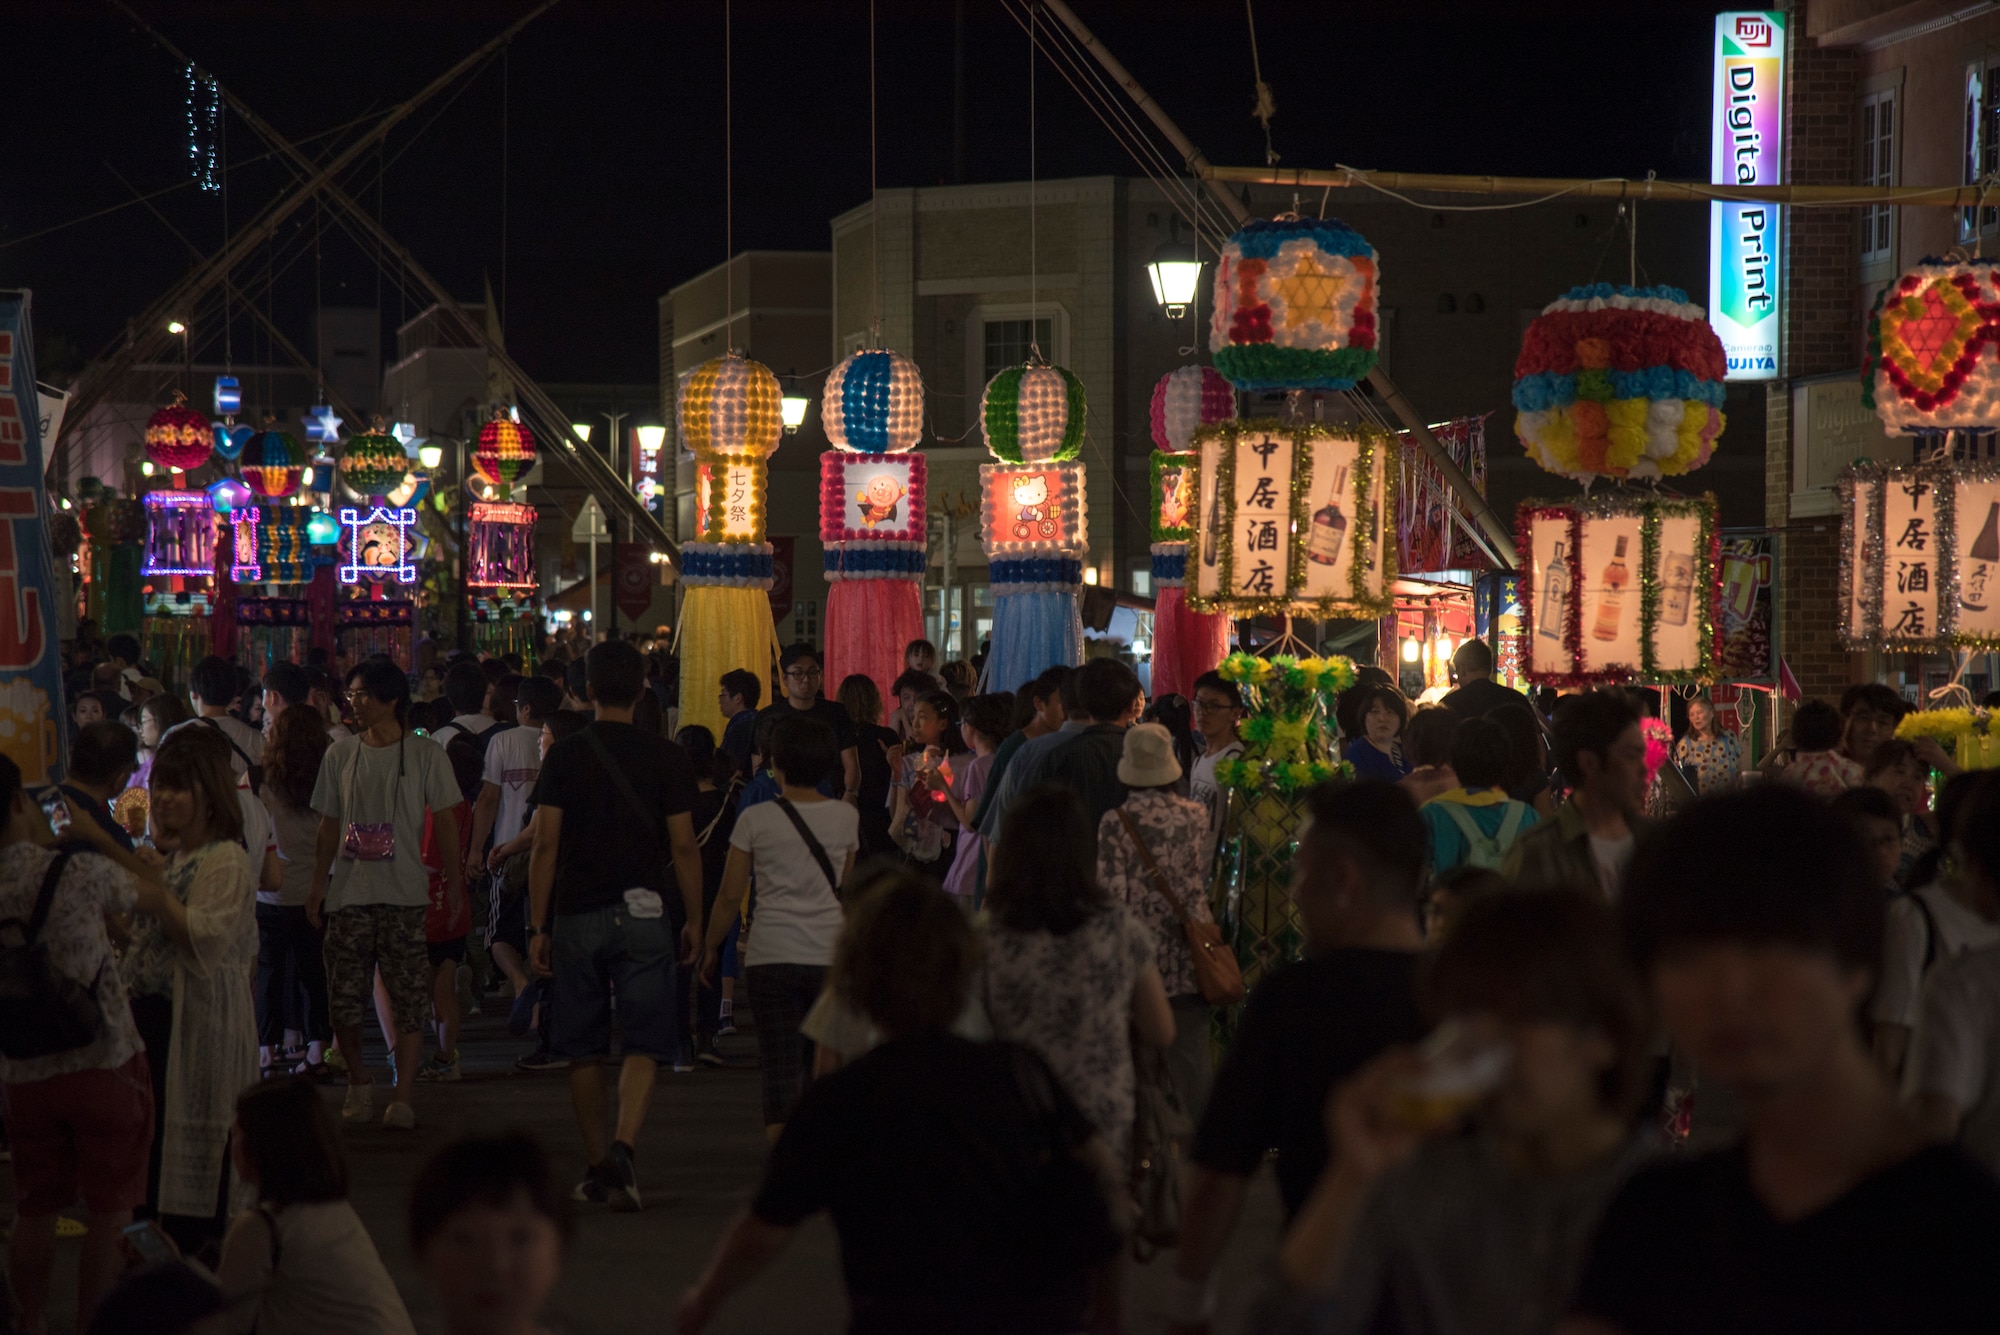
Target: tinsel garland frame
<point>1707,574</point>
<point>1943,479</point>
<point>1161,463</point>
<point>715,504</point>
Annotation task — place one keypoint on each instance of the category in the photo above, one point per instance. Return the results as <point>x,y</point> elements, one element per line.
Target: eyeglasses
<point>1212,706</point>
<point>802,674</point>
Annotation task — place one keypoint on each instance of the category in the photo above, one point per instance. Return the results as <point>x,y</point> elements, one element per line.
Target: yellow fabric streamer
<point>722,629</point>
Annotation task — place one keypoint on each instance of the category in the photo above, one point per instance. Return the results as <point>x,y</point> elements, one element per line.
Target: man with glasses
<point>740,691</point>
<point>800,672</point>
<point>1218,709</point>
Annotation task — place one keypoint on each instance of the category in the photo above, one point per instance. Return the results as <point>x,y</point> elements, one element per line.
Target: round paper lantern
<point>1033,414</point>
<point>1187,399</point>
<point>874,404</point>
<point>1933,350</point>
<point>272,463</point>
<point>1295,306</point>
<point>375,464</point>
<point>731,405</point>
<point>178,437</point>
<point>1619,382</point>
<point>506,451</point>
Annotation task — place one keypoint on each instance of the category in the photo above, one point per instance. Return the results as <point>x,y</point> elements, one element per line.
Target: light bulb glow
<point>582,430</point>
<point>1410,651</point>
<point>430,456</point>
<point>792,410</point>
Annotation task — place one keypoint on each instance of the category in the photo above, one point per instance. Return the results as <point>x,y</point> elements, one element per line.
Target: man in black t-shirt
<point>1478,694</point>
<point>1760,930</point>
<point>612,801</point>
<point>801,673</point>
<point>1358,876</point>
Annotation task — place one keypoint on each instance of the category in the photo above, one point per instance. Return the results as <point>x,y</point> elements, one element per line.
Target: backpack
<point>1481,849</point>
<point>467,753</point>
<point>42,1010</point>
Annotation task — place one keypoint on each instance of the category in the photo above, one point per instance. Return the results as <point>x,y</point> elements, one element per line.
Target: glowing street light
<point>792,408</point>
<point>1176,274</point>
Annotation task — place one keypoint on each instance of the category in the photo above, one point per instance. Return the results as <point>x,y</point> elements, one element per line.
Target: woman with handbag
<point>1149,859</point>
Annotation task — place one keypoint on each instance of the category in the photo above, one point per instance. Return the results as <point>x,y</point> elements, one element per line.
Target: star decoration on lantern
<point>406,436</point>
<point>322,424</point>
<point>1311,293</point>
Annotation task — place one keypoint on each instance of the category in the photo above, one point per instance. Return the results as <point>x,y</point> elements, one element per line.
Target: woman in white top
<point>291,968</point>
<point>300,1262</point>
<point>800,847</point>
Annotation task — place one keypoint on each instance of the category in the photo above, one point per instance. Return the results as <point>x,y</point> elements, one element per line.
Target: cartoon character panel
<point>1033,507</point>
<point>876,498</point>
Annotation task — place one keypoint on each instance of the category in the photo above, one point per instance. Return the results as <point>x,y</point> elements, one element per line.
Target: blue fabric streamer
<point>1032,632</point>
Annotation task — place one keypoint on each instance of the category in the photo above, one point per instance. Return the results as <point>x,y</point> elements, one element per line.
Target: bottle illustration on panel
<point>1555,595</point>
<point>1329,525</point>
<point>1214,524</point>
<point>1985,550</point>
<point>1612,604</point>
<point>1676,587</point>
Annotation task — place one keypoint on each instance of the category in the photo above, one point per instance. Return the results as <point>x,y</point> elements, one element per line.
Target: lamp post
<point>1175,272</point>
<point>611,456</point>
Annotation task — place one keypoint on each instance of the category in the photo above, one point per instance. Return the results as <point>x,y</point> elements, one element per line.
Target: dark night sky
<point>615,138</point>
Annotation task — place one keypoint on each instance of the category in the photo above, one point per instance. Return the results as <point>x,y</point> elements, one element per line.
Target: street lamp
<point>792,407</point>
<point>176,327</point>
<point>429,455</point>
<point>1176,274</point>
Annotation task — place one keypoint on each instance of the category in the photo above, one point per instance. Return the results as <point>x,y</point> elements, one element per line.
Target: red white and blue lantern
<point>874,404</point>
<point>1186,643</point>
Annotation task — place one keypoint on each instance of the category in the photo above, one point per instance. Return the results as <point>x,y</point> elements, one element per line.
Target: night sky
<point>614,157</point>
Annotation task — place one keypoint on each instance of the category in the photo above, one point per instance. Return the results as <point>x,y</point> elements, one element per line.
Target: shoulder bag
<point>812,843</point>
<point>1217,975</point>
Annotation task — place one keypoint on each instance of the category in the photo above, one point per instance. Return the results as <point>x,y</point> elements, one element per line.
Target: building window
<point>1878,167</point>
<point>1009,341</point>
<point>1982,143</point>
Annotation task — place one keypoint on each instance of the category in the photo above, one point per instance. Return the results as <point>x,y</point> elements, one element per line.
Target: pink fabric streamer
<point>868,624</point>
<point>1186,643</point>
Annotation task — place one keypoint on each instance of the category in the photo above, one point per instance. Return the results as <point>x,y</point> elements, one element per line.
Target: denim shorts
<point>605,949</point>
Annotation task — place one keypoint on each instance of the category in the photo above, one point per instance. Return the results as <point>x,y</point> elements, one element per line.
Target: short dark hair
<point>1866,803</point>
<point>907,954</point>
<point>761,730</point>
<point>124,647</point>
<point>213,681</point>
<point>804,749</point>
<point>291,1140</point>
<point>1378,824</point>
<point>485,1170</point>
<point>493,668</point>
<point>1816,727</point>
<point>1525,756</point>
<point>1049,683</point>
<point>288,681</point>
<point>1892,754</point>
<point>1475,655</point>
<point>699,743</point>
<point>1221,685</point>
<point>565,723</point>
<point>555,667</point>
<point>1109,687</point>
<point>990,714</point>
<point>1071,691</point>
<point>797,651</point>
<point>1382,693</point>
<point>1874,696</point>
<point>1794,874</point>
<point>1974,823</point>
<point>576,678</point>
<point>1045,868</point>
<point>923,683</point>
<point>538,696</point>
<point>744,685</point>
<point>915,645</point>
<point>1430,735</point>
<point>1481,753</point>
<point>615,673</point>
<point>465,685</point>
<point>386,682</point>
<point>1593,722</point>
<point>102,751</point>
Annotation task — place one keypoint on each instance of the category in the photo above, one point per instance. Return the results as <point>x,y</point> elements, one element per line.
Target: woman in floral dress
<point>1708,751</point>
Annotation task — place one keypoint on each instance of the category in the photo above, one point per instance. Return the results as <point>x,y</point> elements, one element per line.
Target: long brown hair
<point>292,758</point>
<point>196,760</point>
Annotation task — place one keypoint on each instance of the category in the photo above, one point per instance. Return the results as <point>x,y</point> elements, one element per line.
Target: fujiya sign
<point>1747,148</point>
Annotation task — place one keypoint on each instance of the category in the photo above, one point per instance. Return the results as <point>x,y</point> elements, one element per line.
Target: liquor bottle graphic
<point>1329,525</point>
<point>1211,528</point>
<point>1555,595</point>
<point>1676,587</point>
<point>1985,551</point>
<point>1612,603</point>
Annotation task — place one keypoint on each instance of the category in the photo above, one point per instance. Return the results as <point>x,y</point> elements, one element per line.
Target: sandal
<point>320,1072</point>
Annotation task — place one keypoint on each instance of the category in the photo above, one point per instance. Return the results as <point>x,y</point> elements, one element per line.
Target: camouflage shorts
<point>364,937</point>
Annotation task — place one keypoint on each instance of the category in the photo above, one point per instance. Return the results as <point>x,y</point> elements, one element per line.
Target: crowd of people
<point>1595,1028</point>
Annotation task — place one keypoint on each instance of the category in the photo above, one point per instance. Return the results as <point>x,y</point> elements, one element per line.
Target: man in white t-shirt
<point>1954,1078</point>
<point>212,688</point>
<point>1218,709</point>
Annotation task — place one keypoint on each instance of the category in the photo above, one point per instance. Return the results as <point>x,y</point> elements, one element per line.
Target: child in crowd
<point>1817,764</point>
<point>488,1227</point>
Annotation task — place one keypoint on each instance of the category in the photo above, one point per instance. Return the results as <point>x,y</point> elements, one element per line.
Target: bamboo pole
<point>1608,187</point>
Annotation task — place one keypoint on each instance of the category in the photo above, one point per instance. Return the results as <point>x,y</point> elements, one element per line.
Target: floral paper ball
<point>1619,382</point>
<point>273,462</point>
<point>178,437</point>
<point>1934,349</point>
<point>1033,414</point>
<point>1187,399</point>
<point>874,404</point>
<point>374,464</point>
<point>733,406</point>
<point>506,451</point>
<point>1295,306</point>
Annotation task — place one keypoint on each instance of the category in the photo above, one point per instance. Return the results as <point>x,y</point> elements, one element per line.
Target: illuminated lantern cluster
<point>1619,382</point>
<point>1033,509</point>
<point>1295,306</point>
<point>1934,349</point>
<point>731,406</point>
<point>374,463</point>
<point>1920,557</point>
<point>1619,587</point>
<point>286,543</point>
<point>502,545</point>
<point>1186,643</point>
<point>180,534</point>
<point>272,463</point>
<point>178,437</point>
<point>505,452</point>
<point>378,546</point>
<point>874,404</point>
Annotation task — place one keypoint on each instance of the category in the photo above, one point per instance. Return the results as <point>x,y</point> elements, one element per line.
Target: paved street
<point>698,1162</point>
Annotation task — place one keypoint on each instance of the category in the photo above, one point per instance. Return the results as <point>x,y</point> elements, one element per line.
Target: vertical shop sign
<point>1747,122</point>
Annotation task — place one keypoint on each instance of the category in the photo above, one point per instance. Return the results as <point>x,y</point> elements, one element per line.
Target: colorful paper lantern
<point>1292,519</point>
<point>180,533</point>
<point>378,546</point>
<point>1619,587</point>
<point>502,546</point>
<point>272,463</point>
<point>1933,359</point>
<point>1295,306</point>
<point>178,437</point>
<point>374,464</point>
<point>505,451</point>
<point>874,404</point>
<point>1032,414</point>
<point>1619,382</point>
<point>731,405</point>
<point>230,439</point>
<point>1187,399</point>
<point>274,545</point>
<point>1920,557</point>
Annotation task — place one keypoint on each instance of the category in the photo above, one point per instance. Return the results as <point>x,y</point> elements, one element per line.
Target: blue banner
<point>33,720</point>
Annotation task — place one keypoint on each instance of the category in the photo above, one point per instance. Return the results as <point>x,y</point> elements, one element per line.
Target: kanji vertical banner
<point>31,699</point>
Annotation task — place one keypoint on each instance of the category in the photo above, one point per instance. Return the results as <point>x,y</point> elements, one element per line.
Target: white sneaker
<point>400,1115</point>
<point>359,1105</point>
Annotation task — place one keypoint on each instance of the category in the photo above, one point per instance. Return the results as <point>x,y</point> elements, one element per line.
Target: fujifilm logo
<point>1752,30</point>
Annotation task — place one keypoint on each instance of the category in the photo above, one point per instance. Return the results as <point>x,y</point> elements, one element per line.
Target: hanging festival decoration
<point>1032,414</point>
<point>1187,399</point>
<point>1619,382</point>
<point>505,452</point>
<point>1967,733</point>
<point>729,498</point>
<point>872,527</point>
<point>374,463</point>
<point>1620,587</point>
<point>1292,519</point>
<point>1430,528</point>
<point>287,549</point>
<point>273,463</point>
<point>731,406</point>
<point>180,534</point>
<point>378,546</point>
<point>1295,306</point>
<point>1186,643</point>
<point>501,541</point>
<point>1933,361</point>
<point>1920,556</point>
<point>873,404</point>
<point>178,437</point>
